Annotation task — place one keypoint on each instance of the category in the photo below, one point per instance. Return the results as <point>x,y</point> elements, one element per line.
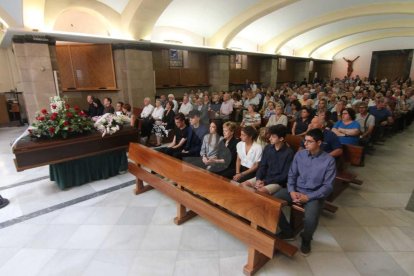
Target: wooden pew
<point>248,216</point>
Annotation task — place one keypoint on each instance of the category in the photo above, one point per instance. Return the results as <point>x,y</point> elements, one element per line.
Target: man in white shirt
<point>226,107</point>
<point>148,108</point>
<point>146,124</point>
<point>172,98</point>
<point>185,107</point>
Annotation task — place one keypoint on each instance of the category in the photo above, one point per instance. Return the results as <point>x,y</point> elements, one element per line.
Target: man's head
<point>362,107</point>
<point>185,99</point>
<point>315,123</point>
<point>277,134</point>
<point>89,99</point>
<point>380,103</point>
<point>313,140</point>
<point>170,97</point>
<point>194,116</point>
<point>147,101</point>
<point>119,106</point>
<point>179,120</point>
<point>107,101</point>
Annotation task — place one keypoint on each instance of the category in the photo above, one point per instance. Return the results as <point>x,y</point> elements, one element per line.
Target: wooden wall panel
<point>252,73</point>
<point>67,79</point>
<point>93,66</point>
<point>86,66</point>
<point>193,73</point>
<point>287,75</point>
<point>391,66</point>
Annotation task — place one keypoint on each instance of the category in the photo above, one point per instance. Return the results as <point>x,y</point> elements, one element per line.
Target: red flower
<point>81,113</point>
<point>70,129</point>
<point>76,108</point>
<point>53,106</point>
<point>52,130</point>
<point>67,106</point>
<point>65,123</point>
<point>44,111</point>
<point>54,116</point>
<point>41,118</point>
<point>69,115</point>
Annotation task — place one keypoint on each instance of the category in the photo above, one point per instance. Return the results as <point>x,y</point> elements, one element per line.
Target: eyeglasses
<point>309,142</point>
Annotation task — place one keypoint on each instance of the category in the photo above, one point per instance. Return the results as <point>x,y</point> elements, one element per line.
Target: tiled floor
<point>119,233</point>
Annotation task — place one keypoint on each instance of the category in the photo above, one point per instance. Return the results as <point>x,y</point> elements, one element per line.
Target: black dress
<point>229,154</point>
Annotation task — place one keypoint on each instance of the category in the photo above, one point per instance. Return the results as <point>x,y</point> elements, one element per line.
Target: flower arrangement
<point>110,123</point>
<point>61,121</point>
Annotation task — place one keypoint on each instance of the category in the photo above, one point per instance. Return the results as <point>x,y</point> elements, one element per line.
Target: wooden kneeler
<point>247,216</point>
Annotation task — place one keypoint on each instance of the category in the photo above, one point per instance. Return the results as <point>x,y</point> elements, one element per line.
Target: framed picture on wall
<point>176,58</point>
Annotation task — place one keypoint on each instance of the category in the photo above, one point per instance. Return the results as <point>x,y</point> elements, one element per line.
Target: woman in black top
<point>162,128</point>
<point>300,126</point>
<point>225,162</point>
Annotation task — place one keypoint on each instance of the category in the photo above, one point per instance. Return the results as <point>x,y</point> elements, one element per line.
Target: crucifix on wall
<point>350,68</point>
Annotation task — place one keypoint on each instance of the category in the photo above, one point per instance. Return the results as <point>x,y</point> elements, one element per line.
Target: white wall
<point>362,65</point>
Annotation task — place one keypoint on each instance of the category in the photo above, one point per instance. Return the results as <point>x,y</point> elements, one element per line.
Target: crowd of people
<point>240,135</point>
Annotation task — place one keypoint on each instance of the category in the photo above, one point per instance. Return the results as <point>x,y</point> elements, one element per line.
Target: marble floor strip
<point>64,204</point>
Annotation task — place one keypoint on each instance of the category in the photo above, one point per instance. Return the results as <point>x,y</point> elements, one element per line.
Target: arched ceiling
<point>304,28</point>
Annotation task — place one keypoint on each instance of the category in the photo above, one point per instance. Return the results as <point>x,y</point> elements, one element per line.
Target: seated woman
<point>269,110</point>
<point>295,108</point>
<point>278,118</point>
<point>209,148</point>
<point>225,162</point>
<point>347,129</point>
<point>162,128</point>
<point>126,110</point>
<point>251,118</point>
<point>249,154</point>
<point>300,126</point>
<point>263,137</point>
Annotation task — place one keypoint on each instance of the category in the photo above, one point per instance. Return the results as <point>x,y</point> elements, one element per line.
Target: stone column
<point>301,70</point>
<point>268,72</point>
<point>219,72</point>
<point>134,74</point>
<point>36,75</point>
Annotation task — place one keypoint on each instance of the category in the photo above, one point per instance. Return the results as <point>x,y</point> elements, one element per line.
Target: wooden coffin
<point>31,153</point>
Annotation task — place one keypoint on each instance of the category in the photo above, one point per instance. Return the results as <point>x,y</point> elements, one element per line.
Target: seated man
<point>383,118</point>
<point>330,143</point>
<point>195,137</point>
<point>310,181</point>
<point>108,108</point>
<point>366,122</point>
<point>181,133</point>
<point>147,121</point>
<point>95,106</point>
<point>186,106</point>
<point>274,166</point>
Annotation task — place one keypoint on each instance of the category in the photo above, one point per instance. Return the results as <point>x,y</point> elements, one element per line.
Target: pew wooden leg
<point>255,261</point>
<point>141,188</point>
<point>183,215</point>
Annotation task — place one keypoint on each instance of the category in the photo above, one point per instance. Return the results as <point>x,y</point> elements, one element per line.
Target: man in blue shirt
<point>383,118</point>
<point>331,143</point>
<point>274,166</point>
<point>310,181</point>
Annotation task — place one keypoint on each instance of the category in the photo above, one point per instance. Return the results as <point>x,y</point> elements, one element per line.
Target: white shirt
<point>253,156</point>
<point>147,110</point>
<point>186,108</point>
<point>158,113</point>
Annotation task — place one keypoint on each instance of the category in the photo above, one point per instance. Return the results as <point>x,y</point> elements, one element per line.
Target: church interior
<point>64,209</point>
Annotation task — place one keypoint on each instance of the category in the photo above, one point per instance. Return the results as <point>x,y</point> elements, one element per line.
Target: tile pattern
<point>115,232</point>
